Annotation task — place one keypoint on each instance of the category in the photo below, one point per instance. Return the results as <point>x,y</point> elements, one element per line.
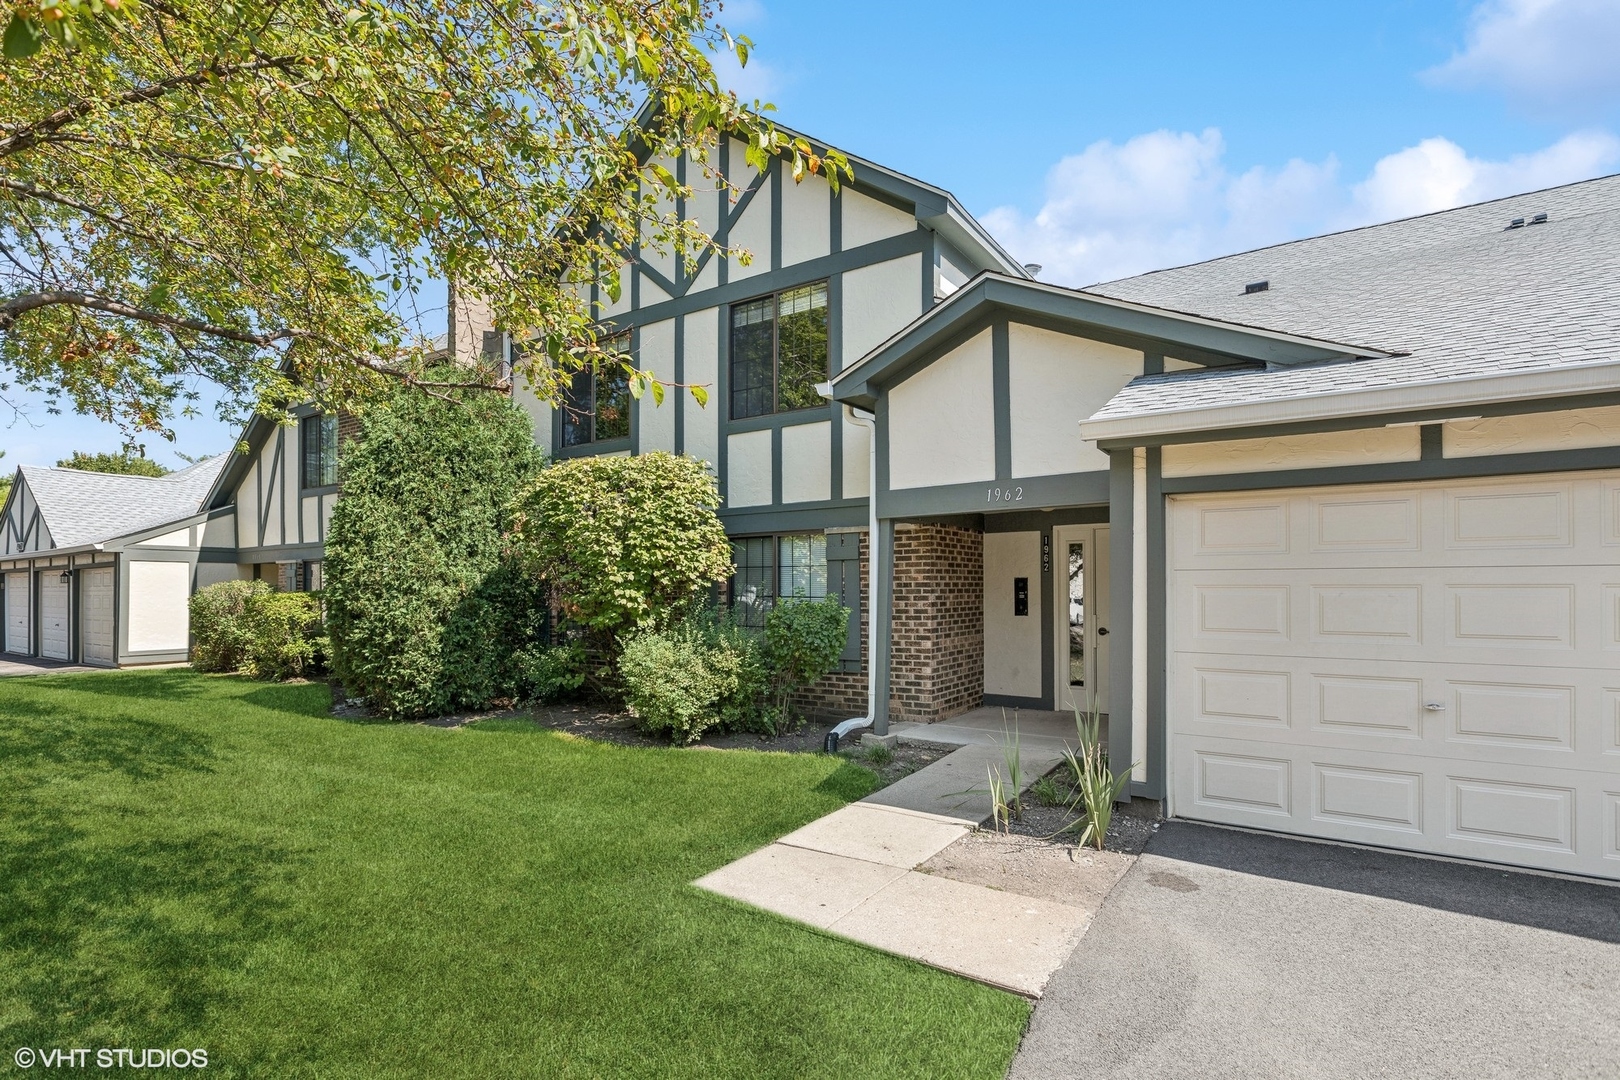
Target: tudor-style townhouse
<point>1330,530</point>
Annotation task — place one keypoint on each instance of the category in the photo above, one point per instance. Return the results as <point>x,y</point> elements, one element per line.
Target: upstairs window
<point>596,407</point>
<point>318,437</point>
<point>779,351</point>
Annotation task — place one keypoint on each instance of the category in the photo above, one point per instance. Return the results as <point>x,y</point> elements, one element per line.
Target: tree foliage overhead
<point>125,462</point>
<point>252,192</point>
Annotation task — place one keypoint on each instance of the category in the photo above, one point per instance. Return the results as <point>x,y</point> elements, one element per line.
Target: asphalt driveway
<point>1228,954</point>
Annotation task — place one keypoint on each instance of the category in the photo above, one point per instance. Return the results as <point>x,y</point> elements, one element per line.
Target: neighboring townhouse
<point>98,568</point>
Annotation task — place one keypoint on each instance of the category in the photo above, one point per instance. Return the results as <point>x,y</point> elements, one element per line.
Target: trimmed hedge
<point>244,626</point>
<point>220,635</point>
<point>425,612</point>
<point>626,542</point>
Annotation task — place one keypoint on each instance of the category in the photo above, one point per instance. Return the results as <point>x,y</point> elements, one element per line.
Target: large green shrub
<point>703,672</point>
<point>803,640</point>
<point>626,542</point>
<point>424,612</point>
<point>219,624</point>
<point>285,636</point>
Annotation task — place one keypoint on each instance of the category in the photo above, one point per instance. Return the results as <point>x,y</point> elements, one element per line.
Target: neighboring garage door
<point>53,616</point>
<point>96,604</point>
<point>1429,666</point>
<point>18,613</point>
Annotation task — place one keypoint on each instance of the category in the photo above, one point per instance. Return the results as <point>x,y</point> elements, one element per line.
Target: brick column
<point>937,651</point>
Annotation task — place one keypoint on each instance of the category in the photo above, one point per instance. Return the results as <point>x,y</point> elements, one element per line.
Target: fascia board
<point>1566,381</point>
<point>1166,328</point>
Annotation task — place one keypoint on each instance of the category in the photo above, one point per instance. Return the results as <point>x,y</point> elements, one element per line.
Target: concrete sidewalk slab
<point>1011,941</point>
<point>944,787</point>
<point>809,886</point>
<point>878,834</point>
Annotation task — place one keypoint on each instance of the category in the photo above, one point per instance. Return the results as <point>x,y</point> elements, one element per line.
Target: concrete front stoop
<point>854,873</point>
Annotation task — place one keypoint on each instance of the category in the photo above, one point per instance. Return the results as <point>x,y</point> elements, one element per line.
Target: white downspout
<point>855,723</point>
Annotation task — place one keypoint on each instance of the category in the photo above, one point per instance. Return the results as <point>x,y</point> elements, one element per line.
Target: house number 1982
<point>1003,495</point>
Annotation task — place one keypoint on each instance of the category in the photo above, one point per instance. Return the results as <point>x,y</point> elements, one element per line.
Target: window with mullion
<point>771,567</point>
<point>779,351</point>
<point>596,405</point>
<point>318,435</point>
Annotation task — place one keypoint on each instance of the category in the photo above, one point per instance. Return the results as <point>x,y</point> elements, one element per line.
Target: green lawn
<point>210,862</point>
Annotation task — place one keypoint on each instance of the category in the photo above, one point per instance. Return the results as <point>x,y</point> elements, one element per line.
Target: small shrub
<point>701,674</point>
<point>549,672</point>
<point>287,639</point>
<point>803,640</point>
<point>219,624</point>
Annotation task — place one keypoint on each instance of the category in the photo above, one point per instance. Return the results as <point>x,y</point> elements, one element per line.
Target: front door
<point>1080,576</point>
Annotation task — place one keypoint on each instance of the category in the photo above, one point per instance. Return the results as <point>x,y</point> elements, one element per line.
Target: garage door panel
<point>96,605</point>
<point>19,613</point>
<point>1349,525</point>
<point>53,616</point>
<point>1510,517</point>
<point>1432,666</point>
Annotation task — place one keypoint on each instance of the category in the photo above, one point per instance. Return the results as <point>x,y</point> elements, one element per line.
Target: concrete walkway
<point>1229,954</point>
<point>11,665</point>
<point>854,873</point>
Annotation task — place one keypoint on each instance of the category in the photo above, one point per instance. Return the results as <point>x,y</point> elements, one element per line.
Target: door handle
<point>1434,706</point>
<point>1102,631</point>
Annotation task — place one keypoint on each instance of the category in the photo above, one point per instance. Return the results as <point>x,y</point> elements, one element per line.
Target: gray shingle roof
<point>82,507</point>
<point>1456,291</point>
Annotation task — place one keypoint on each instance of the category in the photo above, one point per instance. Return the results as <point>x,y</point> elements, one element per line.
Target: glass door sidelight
<point>1080,578</point>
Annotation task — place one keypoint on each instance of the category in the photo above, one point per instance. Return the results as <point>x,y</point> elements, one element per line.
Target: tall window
<point>779,351</point>
<point>596,407</point>
<point>773,566</point>
<point>318,436</point>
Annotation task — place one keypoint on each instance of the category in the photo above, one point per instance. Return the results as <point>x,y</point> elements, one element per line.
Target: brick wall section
<point>842,694</point>
<point>938,626</point>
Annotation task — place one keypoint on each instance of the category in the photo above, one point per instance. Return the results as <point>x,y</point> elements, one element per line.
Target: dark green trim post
<point>1001,395</point>
<point>1121,575</point>
<point>882,620</point>
<point>1158,698</point>
<point>1049,580</point>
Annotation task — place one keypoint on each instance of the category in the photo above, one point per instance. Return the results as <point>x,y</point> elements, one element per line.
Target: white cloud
<point>1437,174</point>
<point>1167,198</point>
<point>1558,54</point>
<point>757,81</point>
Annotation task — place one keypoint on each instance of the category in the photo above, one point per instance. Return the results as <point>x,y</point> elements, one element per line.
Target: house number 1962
<point>1004,495</point>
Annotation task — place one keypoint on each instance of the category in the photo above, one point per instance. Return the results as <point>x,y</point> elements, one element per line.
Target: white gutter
<point>1564,381</point>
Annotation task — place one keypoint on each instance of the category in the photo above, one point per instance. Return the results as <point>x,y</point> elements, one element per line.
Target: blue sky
<point>1105,139</point>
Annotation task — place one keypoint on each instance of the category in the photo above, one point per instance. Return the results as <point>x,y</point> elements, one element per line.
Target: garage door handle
<point>1434,706</point>
<point>1102,631</point>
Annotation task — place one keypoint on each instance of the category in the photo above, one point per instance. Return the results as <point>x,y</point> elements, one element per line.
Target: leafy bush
<point>285,636</point>
<point>219,624</point>
<point>425,611</point>
<point>705,672</point>
<point>548,672</point>
<point>803,640</point>
<point>626,542</point>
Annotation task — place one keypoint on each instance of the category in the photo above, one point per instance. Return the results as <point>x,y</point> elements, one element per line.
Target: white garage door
<point>1431,666</point>
<point>96,604</point>
<point>53,616</point>
<point>18,613</point>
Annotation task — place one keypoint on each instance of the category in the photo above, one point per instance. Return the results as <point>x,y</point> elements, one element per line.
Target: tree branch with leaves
<point>257,194</point>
